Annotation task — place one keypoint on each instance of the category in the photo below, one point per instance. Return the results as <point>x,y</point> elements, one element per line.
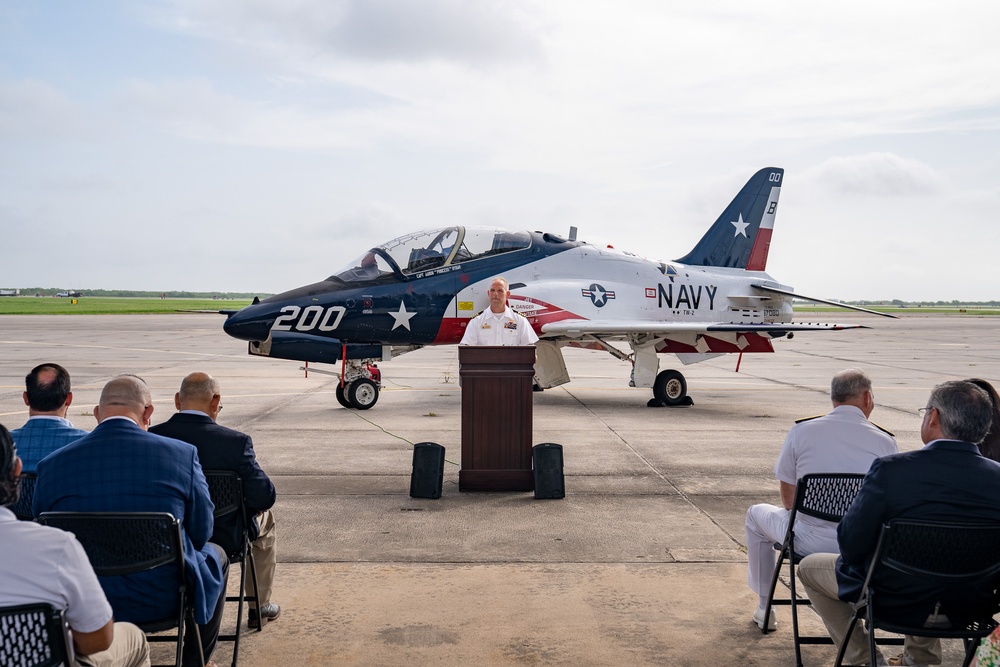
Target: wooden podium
<point>496,417</point>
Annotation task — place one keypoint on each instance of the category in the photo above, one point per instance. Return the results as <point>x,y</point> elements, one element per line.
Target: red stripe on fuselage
<point>453,328</point>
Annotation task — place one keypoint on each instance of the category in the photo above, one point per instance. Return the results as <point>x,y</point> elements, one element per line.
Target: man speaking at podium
<point>499,325</point>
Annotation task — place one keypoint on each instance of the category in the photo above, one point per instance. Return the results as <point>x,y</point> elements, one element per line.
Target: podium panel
<point>496,417</point>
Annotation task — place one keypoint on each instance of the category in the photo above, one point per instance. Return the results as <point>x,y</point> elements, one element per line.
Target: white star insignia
<point>401,317</point>
<point>600,297</point>
<point>741,227</point>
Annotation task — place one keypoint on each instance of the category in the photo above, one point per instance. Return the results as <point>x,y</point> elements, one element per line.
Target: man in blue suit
<point>119,467</point>
<point>48,396</point>
<point>948,480</point>
<point>220,448</point>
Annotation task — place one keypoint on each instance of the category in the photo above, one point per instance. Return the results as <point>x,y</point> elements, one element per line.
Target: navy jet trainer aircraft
<point>423,288</point>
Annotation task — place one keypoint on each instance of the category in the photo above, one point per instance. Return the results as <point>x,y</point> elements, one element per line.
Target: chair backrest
<point>950,553</point>
<point>122,543</point>
<point>34,635</point>
<point>26,493</point>
<point>827,496</point>
<point>226,490</point>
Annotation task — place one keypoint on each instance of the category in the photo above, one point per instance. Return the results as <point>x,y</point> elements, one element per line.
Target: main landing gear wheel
<point>342,397</point>
<point>362,393</point>
<point>670,389</point>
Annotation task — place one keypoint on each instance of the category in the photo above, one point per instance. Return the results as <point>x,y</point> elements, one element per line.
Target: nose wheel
<point>342,397</point>
<point>360,394</point>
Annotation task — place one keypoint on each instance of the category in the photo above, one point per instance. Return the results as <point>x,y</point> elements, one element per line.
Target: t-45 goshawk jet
<point>423,288</point>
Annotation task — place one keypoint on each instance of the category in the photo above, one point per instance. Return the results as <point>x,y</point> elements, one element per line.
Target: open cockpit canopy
<point>427,250</point>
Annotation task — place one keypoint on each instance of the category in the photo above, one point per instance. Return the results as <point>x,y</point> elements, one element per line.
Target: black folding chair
<point>34,635</point>
<point>26,493</point>
<point>948,554</point>
<point>825,496</point>
<point>124,543</point>
<point>226,489</point>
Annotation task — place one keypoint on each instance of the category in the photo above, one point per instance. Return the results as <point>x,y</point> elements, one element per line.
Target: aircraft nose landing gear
<point>360,392</point>
<point>669,390</point>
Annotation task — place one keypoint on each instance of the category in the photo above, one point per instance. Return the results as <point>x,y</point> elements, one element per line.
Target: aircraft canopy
<point>432,249</point>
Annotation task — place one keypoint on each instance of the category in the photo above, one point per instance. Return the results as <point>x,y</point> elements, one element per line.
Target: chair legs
<point>246,562</point>
<point>771,601</point>
<point>793,600</point>
<point>255,598</point>
<point>185,621</point>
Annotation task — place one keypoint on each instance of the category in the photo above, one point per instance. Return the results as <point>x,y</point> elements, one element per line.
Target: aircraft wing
<point>574,328</point>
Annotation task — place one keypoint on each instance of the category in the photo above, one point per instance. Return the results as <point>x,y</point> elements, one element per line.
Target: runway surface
<point>642,563</point>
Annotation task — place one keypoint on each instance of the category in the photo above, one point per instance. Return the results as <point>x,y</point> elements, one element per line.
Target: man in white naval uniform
<point>499,324</point>
<point>841,441</point>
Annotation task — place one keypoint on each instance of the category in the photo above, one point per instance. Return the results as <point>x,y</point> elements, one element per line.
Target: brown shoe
<point>268,612</point>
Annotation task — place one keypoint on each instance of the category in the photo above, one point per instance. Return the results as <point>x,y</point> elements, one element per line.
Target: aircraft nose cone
<point>248,325</point>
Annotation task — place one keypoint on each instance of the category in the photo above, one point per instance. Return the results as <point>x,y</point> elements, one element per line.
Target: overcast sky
<point>257,145</point>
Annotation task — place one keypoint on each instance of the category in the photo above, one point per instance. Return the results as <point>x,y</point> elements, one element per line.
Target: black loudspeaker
<point>428,470</point>
<point>547,461</point>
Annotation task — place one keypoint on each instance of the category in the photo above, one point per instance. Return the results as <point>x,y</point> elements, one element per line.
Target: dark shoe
<point>536,387</point>
<point>268,612</point>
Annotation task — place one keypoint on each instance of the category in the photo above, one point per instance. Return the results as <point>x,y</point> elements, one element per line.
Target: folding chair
<point>26,493</point>
<point>226,489</point>
<point>944,553</point>
<point>123,543</point>
<point>825,496</point>
<point>34,635</point>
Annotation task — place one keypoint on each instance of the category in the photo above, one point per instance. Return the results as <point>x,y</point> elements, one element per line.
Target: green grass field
<point>910,310</point>
<point>86,305</point>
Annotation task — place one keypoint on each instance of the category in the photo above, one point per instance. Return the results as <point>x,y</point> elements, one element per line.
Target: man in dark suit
<point>119,467</point>
<point>220,448</point>
<point>948,480</point>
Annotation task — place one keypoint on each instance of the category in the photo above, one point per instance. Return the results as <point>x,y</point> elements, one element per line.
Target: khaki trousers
<point>818,574</point>
<point>264,558</point>
<point>128,649</point>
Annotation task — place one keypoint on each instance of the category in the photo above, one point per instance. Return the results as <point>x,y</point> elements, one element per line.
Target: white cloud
<point>877,174</point>
<point>478,33</point>
<point>33,109</point>
<point>297,133</point>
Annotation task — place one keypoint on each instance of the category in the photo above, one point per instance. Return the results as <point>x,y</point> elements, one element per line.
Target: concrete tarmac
<point>643,562</point>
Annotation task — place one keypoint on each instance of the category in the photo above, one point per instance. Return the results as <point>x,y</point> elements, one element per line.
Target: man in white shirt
<point>499,324</point>
<point>843,441</point>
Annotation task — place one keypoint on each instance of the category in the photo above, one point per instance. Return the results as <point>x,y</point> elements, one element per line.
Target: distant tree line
<point>903,304</point>
<point>146,294</point>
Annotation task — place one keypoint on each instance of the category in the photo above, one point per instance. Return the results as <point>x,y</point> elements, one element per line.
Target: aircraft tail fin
<point>741,237</point>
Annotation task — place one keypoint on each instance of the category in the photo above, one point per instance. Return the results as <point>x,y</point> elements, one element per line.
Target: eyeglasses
<point>923,411</point>
<point>220,407</point>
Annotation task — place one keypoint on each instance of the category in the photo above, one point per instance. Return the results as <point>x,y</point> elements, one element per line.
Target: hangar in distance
<point>423,288</point>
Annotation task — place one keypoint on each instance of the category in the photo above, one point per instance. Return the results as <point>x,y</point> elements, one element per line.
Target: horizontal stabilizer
<point>828,302</point>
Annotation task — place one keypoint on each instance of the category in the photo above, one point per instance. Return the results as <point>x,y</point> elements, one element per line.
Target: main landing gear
<point>669,390</point>
<point>361,393</point>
